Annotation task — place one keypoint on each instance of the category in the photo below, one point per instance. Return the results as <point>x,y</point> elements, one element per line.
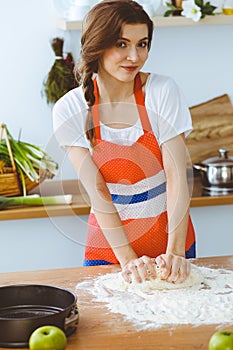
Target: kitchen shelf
<point>81,203</point>
<point>160,21</point>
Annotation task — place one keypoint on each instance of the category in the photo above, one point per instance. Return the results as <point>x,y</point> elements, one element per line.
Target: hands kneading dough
<point>195,278</point>
<point>172,268</point>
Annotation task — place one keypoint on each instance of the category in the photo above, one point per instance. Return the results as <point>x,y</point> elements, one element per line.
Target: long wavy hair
<point>101,30</point>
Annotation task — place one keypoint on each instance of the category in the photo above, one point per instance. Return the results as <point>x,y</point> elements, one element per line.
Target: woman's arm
<point>107,215</point>
<point>175,267</point>
<point>101,203</point>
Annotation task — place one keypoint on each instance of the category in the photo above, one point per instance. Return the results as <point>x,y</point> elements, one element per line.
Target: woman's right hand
<point>139,269</point>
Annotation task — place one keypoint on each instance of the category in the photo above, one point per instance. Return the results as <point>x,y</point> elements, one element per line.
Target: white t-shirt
<point>165,104</point>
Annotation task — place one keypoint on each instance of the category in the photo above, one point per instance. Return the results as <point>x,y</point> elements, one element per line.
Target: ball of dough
<point>195,278</point>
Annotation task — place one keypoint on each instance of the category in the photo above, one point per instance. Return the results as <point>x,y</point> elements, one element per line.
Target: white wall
<point>214,230</point>
<point>40,244</point>
<point>199,58</point>
<point>59,242</point>
<point>26,28</point>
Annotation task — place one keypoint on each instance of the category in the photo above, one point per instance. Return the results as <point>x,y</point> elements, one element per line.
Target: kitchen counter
<point>100,329</point>
<point>81,203</point>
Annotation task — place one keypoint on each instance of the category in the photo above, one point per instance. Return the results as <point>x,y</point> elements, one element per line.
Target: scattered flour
<point>205,298</point>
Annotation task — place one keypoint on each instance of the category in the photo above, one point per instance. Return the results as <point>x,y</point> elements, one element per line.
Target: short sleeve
<point>172,113</point>
<point>69,115</point>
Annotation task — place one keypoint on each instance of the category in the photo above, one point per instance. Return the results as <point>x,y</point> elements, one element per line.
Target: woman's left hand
<point>174,268</point>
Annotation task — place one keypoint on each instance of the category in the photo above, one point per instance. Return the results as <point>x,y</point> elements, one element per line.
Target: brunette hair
<point>102,29</point>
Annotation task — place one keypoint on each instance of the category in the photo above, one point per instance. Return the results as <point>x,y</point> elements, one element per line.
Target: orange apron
<point>136,180</point>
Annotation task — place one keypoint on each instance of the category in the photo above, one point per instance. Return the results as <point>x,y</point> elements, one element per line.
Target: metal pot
<point>217,172</point>
<point>25,307</point>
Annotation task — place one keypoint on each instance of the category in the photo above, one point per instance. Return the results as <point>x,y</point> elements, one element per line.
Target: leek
<point>34,200</point>
<point>29,159</point>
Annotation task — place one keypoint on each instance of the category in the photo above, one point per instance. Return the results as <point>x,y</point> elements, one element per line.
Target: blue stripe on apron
<point>191,253</point>
<point>95,262</point>
<point>140,197</point>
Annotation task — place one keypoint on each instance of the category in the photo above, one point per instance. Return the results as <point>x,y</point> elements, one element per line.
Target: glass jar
<point>227,7</point>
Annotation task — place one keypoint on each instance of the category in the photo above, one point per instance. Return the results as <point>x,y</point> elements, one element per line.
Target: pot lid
<point>222,160</point>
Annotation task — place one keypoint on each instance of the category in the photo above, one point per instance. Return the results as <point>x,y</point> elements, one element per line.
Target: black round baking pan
<point>25,307</point>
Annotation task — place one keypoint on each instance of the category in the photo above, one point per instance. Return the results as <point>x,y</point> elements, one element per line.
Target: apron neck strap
<point>140,101</point>
<point>95,115</point>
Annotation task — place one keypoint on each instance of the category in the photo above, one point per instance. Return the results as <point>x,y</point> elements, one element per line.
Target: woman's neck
<point>112,90</point>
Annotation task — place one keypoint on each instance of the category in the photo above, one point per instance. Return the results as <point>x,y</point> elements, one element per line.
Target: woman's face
<point>124,60</point>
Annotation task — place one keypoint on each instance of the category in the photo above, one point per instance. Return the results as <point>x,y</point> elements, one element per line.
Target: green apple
<point>47,338</point>
<point>221,340</point>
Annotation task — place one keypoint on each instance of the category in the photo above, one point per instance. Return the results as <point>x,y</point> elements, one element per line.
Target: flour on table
<point>206,298</point>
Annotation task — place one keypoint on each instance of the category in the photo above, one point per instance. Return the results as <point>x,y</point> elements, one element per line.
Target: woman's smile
<point>130,68</point>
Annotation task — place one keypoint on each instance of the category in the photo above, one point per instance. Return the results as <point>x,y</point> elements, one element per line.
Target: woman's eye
<point>121,44</point>
<point>143,44</point>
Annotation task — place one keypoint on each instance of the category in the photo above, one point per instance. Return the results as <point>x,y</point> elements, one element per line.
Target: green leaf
<point>168,13</point>
<point>208,9</point>
<point>199,3</point>
<point>172,7</point>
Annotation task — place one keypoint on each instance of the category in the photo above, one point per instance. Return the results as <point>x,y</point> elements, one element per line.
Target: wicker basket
<point>10,181</point>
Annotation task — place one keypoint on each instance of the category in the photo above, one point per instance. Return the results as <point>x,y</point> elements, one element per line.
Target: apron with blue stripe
<point>136,180</point>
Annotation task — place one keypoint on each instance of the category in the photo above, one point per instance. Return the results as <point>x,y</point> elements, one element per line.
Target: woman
<point>124,132</point>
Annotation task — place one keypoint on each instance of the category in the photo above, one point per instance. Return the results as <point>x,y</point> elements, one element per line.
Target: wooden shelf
<point>81,203</point>
<point>161,22</point>
<point>183,21</point>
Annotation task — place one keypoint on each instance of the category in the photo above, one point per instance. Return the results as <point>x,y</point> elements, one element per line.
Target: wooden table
<point>100,329</point>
